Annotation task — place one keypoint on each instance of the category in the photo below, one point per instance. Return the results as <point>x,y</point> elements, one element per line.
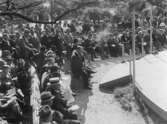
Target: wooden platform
<point>117,72</point>
<point>151,80</point>
<point>117,76</point>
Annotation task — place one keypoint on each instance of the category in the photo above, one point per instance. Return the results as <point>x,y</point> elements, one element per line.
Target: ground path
<point>97,107</point>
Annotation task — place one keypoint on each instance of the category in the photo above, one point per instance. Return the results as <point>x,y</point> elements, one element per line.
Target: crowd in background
<point>47,48</point>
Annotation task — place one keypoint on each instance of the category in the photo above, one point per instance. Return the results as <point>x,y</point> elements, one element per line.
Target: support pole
<point>142,47</point>
<point>51,9</point>
<point>123,52</point>
<point>130,63</point>
<point>133,46</point>
<point>151,30</point>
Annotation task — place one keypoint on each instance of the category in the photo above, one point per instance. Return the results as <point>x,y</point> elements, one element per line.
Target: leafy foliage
<point>41,11</point>
<point>44,10</point>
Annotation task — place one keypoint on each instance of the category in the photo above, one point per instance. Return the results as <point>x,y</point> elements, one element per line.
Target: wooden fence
<point>35,95</point>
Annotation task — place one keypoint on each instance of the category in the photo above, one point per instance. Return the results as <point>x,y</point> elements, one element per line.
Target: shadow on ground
<point>150,116</point>
<point>82,100</point>
<point>108,87</point>
<point>155,118</point>
<point>108,61</point>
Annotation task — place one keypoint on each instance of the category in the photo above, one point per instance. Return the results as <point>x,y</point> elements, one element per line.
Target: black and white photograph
<point>83,61</point>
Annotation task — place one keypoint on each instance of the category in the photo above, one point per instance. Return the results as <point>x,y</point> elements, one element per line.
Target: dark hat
<point>45,113</point>
<point>26,30</point>
<point>5,34</point>
<point>75,40</point>
<point>46,97</point>
<point>49,58</point>
<point>17,33</point>
<point>53,67</point>
<point>55,87</point>
<point>47,66</point>
<point>6,54</point>
<point>6,31</point>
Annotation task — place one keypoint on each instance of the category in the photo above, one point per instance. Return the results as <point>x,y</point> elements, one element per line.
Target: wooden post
<point>142,47</point>
<point>142,40</point>
<point>151,31</point>
<point>123,50</point>
<point>133,46</point>
<point>130,64</point>
<point>51,9</point>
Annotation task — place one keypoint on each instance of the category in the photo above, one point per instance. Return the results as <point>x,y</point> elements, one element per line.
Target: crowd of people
<point>47,48</point>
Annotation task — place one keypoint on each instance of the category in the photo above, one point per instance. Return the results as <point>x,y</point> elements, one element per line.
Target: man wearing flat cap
<point>5,42</point>
<point>7,56</point>
<point>48,106</point>
<point>4,75</point>
<point>47,100</point>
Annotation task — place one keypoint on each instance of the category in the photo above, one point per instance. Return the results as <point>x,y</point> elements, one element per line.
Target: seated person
<point>47,99</point>
<point>9,105</point>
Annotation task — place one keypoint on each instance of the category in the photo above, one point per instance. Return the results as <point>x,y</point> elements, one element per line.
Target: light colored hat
<point>3,65</point>
<point>162,25</point>
<point>55,79</point>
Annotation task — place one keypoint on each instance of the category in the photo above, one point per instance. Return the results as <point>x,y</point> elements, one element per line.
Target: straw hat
<point>162,25</point>
<point>3,65</point>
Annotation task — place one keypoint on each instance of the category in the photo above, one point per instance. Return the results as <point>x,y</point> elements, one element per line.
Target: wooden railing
<point>35,95</point>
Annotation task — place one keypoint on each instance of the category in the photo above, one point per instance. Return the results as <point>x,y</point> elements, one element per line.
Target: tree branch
<point>68,11</point>
<point>30,5</point>
<point>60,4</point>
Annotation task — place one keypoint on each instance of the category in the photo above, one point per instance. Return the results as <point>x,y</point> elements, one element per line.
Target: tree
<point>26,9</point>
